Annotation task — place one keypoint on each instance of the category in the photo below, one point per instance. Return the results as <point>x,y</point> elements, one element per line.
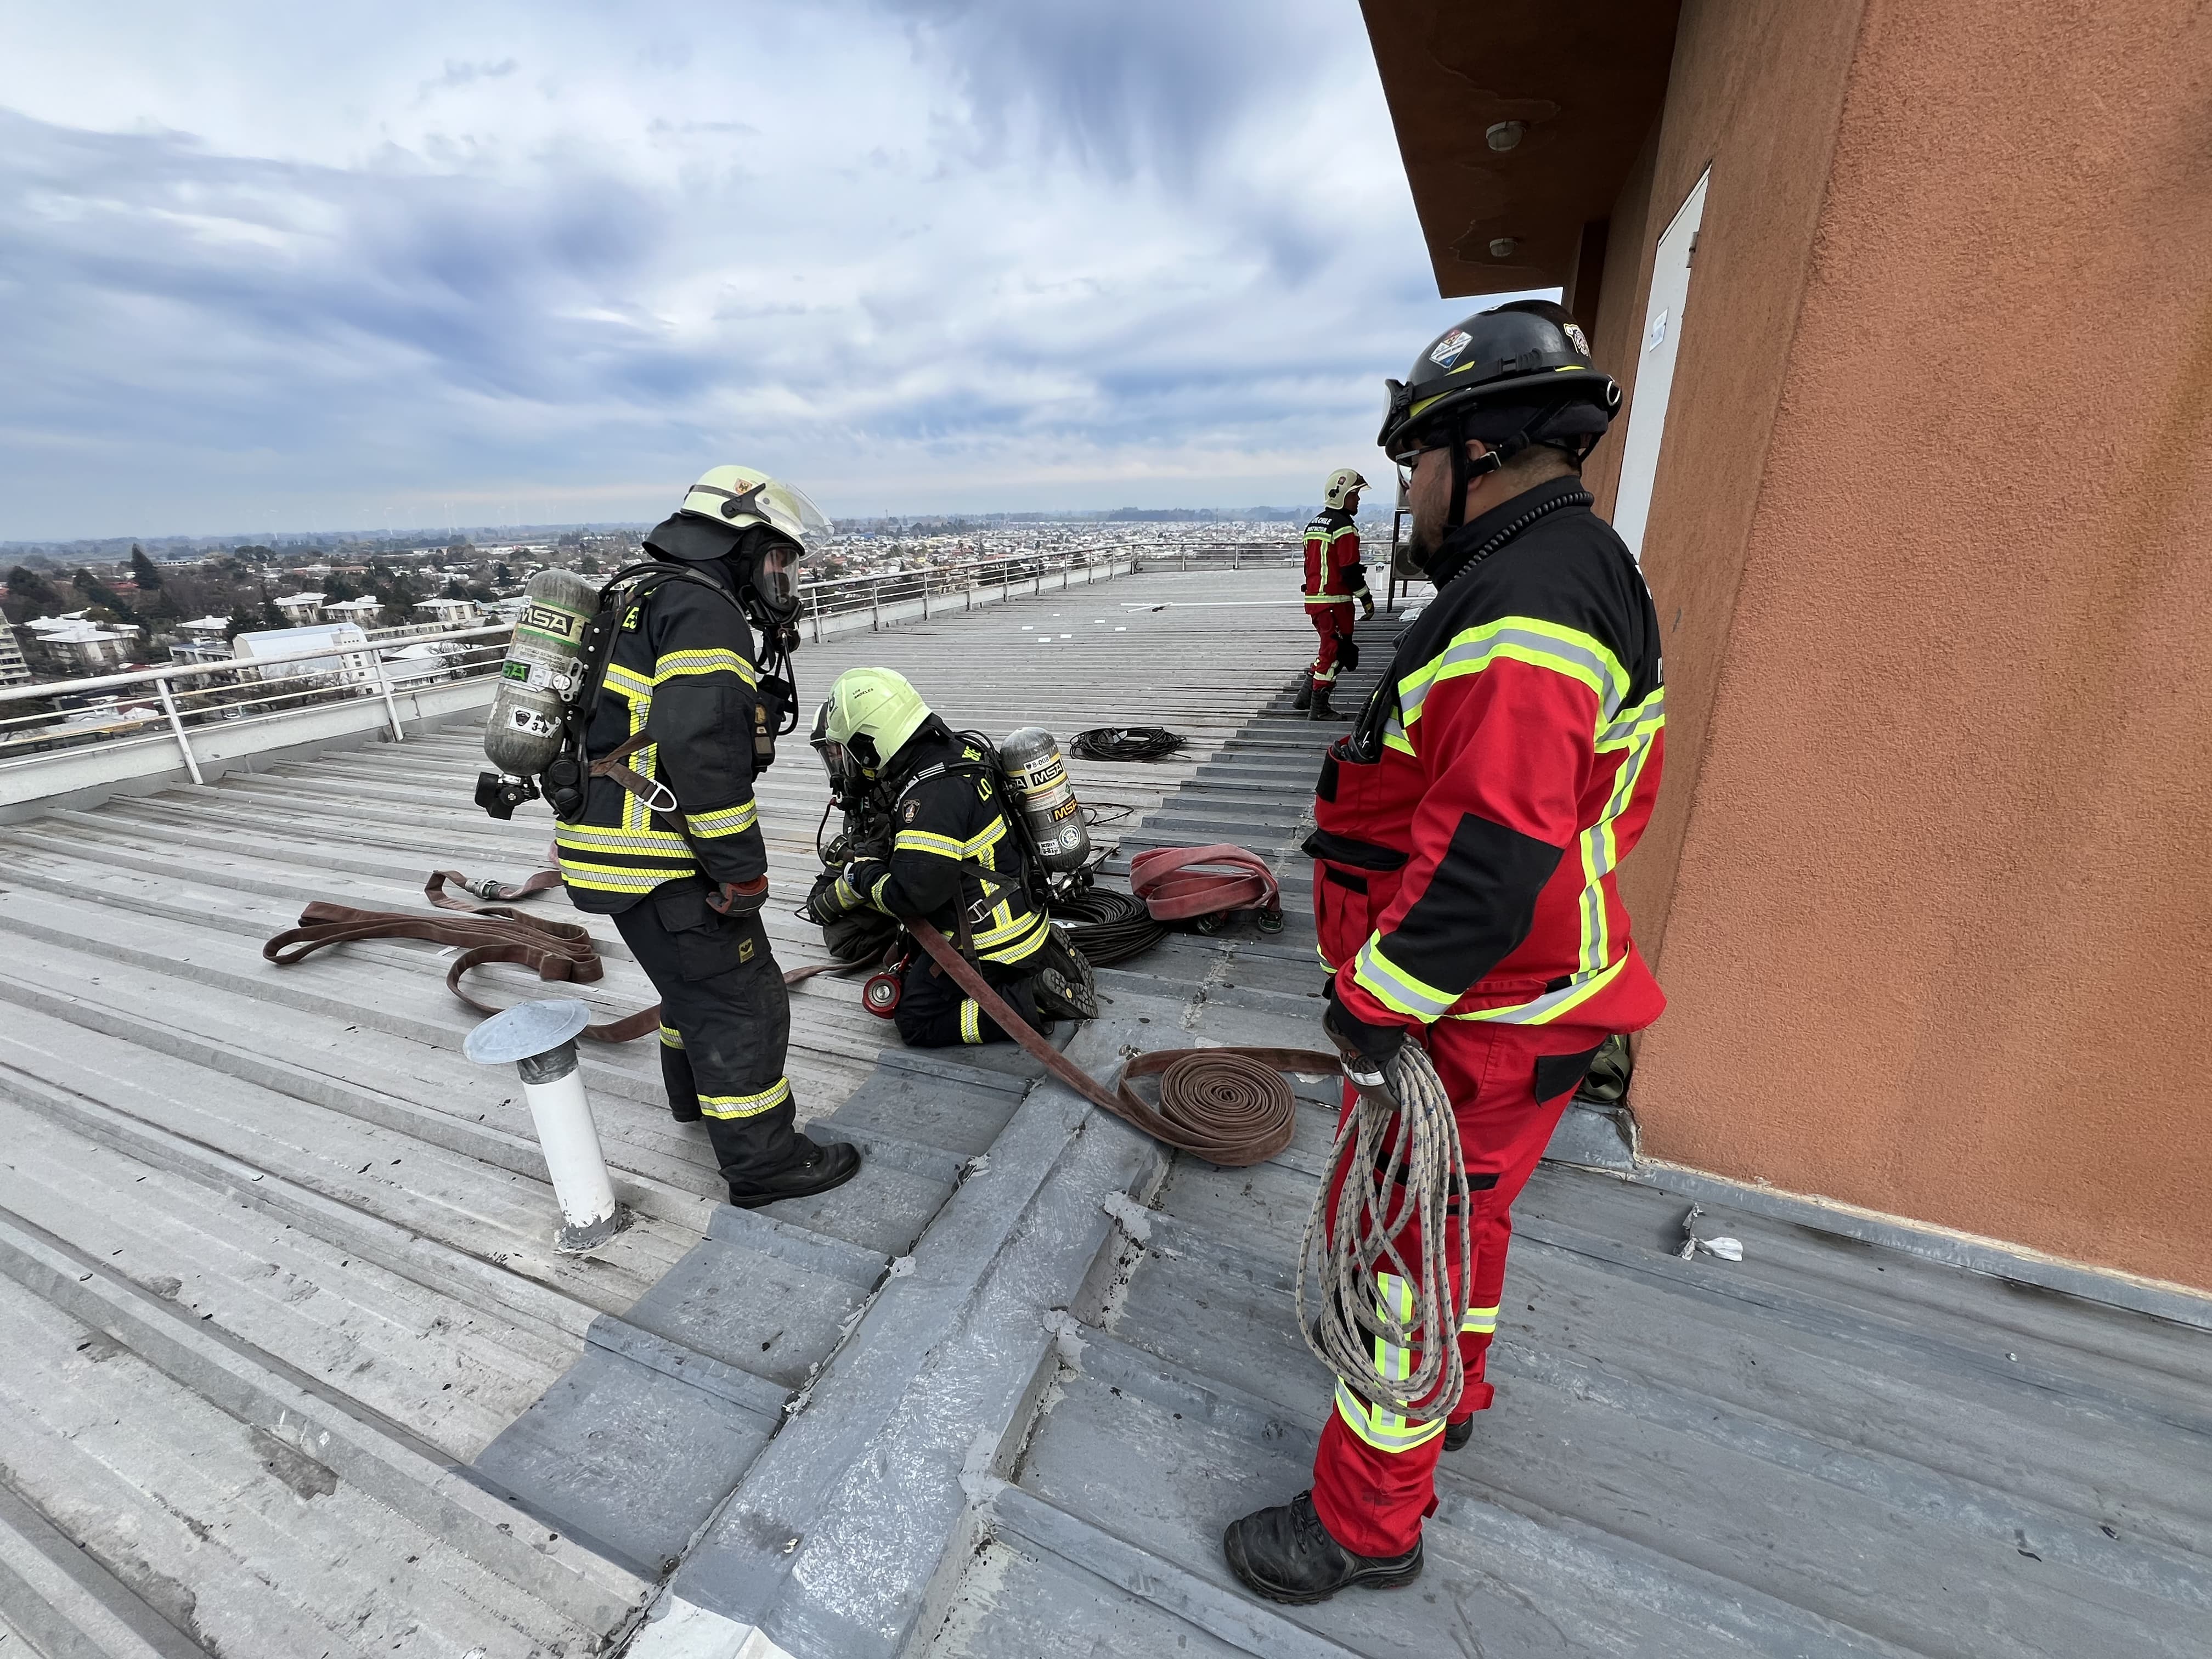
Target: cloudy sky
<point>270,267</point>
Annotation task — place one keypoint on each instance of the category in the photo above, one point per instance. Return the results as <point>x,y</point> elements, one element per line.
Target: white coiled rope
<point>1416,1133</point>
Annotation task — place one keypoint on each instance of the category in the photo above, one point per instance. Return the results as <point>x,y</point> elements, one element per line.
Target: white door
<point>1655,373</point>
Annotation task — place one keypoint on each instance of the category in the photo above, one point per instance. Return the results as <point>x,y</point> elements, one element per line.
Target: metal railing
<point>60,737</point>
<point>939,590</point>
<point>168,705</point>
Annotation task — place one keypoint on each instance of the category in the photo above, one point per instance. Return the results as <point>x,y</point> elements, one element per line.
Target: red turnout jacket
<point>1470,826</point>
<point>1334,572</point>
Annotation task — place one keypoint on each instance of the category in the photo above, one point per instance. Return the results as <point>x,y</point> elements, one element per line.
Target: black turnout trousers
<point>725,1025</point>
<point>935,1012</point>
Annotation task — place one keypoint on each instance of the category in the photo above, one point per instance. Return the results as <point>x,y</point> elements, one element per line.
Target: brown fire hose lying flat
<point>1229,1106</point>
<point>554,951</point>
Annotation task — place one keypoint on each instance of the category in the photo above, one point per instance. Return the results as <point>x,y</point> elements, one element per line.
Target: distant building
<point>301,610</point>
<point>205,628</point>
<point>420,664</point>
<point>72,646</point>
<point>350,661</point>
<point>14,669</point>
<point>363,613</point>
<point>190,649</point>
<point>446,613</point>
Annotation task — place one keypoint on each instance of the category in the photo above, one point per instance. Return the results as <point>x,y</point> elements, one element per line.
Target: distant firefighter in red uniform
<point>1470,830</point>
<point>1334,578</point>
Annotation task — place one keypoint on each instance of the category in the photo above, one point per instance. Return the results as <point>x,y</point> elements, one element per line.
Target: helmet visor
<point>778,580</point>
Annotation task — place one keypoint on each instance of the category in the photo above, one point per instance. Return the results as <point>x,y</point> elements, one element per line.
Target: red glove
<point>739,898</point>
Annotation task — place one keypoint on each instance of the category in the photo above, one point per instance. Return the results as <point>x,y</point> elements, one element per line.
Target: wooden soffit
<point>1586,80</point>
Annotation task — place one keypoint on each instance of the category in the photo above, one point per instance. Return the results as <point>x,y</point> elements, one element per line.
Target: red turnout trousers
<point>1375,1473</point>
<point>1332,622</point>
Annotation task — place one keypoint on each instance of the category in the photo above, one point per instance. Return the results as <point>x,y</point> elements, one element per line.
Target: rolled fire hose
<point>1229,1106</point>
<point>1396,1166</point>
<point>1178,883</point>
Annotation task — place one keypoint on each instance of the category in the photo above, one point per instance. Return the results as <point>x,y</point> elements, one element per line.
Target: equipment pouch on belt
<point>707,942</point>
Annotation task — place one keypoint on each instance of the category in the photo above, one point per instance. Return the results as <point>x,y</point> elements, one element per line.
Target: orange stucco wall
<point>1935,511</point>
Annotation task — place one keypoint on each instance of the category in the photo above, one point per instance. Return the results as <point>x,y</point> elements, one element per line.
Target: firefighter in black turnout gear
<point>956,858</point>
<point>668,843</point>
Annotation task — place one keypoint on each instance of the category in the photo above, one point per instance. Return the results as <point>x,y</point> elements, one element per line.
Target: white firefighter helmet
<point>742,495</point>
<point>1342,482</point>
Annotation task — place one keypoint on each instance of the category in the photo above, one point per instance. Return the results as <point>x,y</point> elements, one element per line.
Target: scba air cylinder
<point>539,675</point>
<point>1046,799</point>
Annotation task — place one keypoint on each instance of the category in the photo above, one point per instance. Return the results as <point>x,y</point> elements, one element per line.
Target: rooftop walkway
<point>288,1368</point>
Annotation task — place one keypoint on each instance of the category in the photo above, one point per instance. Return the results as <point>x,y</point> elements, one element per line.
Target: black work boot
<point>1320,709</point>
<point>1286,1555</point>
<point>1304,699</point>
<point>1456,1435</point>
<point>1064,996</point>
<point>817,1167</point>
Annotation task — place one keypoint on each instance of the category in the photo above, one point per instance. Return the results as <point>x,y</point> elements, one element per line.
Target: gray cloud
<point>917,254</point>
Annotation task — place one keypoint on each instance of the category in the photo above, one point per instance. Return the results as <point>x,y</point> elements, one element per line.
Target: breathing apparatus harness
<point>775,711</point>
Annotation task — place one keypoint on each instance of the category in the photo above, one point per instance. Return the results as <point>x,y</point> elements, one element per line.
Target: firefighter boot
<point>1304,700</point>
<point>1286,1555</point>
<point>816,1167</point>
<point>1064,996</point>
<point>1458,1434</point>
<point>1320,709</point>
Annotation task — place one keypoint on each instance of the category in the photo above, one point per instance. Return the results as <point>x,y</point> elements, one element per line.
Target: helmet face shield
<point>777,579</point>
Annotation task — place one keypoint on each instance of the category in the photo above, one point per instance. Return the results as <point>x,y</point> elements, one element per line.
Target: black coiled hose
<point>1126,743</point>
<point>1110,927</point>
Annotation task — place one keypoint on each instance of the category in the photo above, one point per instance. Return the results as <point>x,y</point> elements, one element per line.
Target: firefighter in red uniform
<point>1470,827</point>
<point>1334,578</point>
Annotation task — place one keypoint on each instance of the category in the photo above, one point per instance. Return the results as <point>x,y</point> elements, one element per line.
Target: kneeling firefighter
<point>957,859</point>
<point>670,845</point>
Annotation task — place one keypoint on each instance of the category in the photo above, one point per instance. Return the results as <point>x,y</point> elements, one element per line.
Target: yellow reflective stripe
<point>603,878</point>
<point>670,1037</point>
<point>1387,1431</point>
<point>1636,730</point>
<point>971,1020</point>
<point>725,821</point>
<point>1008,926</point>
<point>1022,949</point>
<point>767,1100</point>
<point>1479,1322</point>
<point>625,683</point>
<point>1326,966</point>
<point>1393,987</point>
<point>922,841</point>
<point>983,840</point>
<point>584,839</point>
<point>1541,1011</point>
<point>717,661</point>
<point>876,893</point>
<point>1325,600</point>
<point>848,895</point>
<point>1530,640</point>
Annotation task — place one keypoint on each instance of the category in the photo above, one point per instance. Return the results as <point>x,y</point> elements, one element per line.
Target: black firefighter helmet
<point>1517,375</point>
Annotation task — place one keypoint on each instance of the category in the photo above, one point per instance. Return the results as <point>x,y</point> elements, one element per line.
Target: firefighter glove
<point>1375,1045</point>
<point>859,879</point>
<point>1366,606</point>
<point>827,901</point>
<point>736,898</point>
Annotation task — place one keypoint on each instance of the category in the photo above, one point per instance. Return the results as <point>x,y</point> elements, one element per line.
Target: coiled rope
<point>1126,743</point>
<point>1396,1166</point>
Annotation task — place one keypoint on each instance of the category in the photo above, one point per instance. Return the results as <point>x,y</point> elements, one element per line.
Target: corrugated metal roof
<point>275,1262</point>
<point>289,1367</point>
